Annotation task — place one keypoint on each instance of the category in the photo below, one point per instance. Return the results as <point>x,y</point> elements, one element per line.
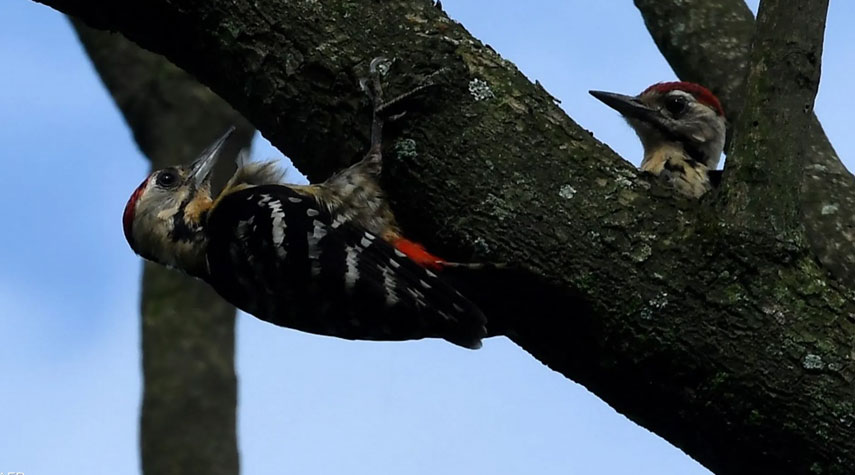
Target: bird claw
<point>378,68</point>
<point>372,85</point>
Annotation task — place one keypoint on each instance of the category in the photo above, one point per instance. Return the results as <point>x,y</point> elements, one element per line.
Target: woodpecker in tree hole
<point>682,129</point>
<point>326,258</point>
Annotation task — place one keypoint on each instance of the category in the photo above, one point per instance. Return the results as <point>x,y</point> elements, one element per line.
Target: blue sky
<point>69,285</point>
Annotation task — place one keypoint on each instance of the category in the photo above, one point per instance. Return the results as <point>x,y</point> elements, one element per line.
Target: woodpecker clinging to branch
<point>682,129</point>
<point>326,258</point>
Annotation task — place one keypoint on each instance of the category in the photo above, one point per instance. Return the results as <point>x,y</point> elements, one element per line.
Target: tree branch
<point>705,41</point>
<point>724,341</point>
<point>769,149</point>
<point>187,422</point>
<point>709,42</point>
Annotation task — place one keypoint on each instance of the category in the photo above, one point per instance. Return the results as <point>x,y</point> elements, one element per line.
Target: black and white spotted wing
<point>274,253</point>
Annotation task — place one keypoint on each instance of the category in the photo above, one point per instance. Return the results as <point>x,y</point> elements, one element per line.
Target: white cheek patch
<point>172,202</point>
<point>168,213</point>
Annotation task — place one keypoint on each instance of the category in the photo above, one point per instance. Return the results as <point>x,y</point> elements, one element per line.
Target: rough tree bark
<point>729,339</point>
<point>187,422</point>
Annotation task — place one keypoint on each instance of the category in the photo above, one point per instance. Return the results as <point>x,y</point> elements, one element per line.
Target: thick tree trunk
<point>728,339</point>
<point>187,423</point>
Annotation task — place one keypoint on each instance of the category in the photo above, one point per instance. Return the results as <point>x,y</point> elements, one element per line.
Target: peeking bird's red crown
<point>702,94</point>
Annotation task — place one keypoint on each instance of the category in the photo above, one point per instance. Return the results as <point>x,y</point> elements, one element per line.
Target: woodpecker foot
<point>373,88</point>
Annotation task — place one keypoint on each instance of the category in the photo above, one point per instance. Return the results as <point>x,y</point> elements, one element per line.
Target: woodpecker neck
<point>702,147</point>
<point>188,237</point>
<point>656,156</point>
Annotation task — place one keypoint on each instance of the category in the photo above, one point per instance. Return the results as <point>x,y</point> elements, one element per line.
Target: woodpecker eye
<point>167,179</point>
<point>676,105</point>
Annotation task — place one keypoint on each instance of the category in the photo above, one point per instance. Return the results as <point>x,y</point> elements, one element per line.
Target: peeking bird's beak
<point>629,106</point>
<point>201,168</point>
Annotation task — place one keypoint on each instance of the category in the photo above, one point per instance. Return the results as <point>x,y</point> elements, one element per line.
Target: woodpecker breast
<point>689,178</point>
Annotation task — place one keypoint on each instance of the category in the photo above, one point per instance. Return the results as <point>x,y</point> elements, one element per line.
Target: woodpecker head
<point>164,217</point>
<point>674,115</point>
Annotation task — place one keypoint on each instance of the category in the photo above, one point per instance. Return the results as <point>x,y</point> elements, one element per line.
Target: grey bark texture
<point>768,150</point>
<point>730,340</point>
<point>187,421</point>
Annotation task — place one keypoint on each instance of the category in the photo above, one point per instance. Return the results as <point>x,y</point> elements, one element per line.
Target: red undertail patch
<point>418,253</point>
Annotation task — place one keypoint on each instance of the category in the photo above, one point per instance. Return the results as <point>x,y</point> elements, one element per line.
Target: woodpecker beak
<point>629,106</point>
<point>201,168</point>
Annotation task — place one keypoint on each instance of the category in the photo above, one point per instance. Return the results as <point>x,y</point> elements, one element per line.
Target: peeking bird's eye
<point>167,179</point>
<point>676,105</point>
